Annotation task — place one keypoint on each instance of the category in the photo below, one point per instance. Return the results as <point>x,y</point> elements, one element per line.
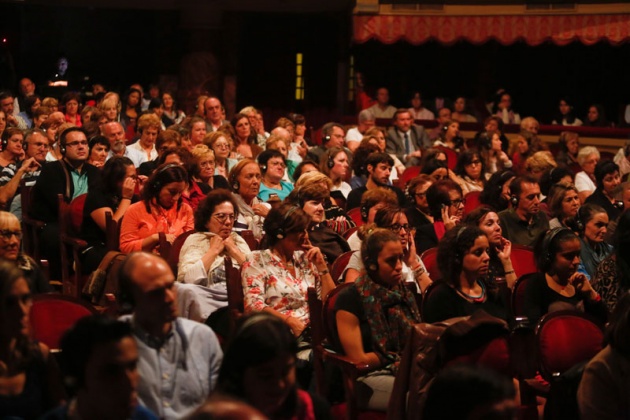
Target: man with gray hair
<point>354,135</point>
<point>118,144</point>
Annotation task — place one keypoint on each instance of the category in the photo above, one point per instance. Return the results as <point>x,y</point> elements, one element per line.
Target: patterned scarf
<point>390,314</point>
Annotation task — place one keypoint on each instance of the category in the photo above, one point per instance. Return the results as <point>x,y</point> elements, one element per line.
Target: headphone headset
<point>263,167</point>
<point>330,162</point>
<point>158,185</point>
<point>578,220</point>
<point>326,138</point>
<point>5,143</point>
<point>514,200</point>
<point>550,235</point>
<point>364,212</point>
<point>280,233</point>
<point>445,127</point>
<point>458,258</point>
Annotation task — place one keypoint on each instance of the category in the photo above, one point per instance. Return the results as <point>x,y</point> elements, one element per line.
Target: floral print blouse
<point>267,282</point>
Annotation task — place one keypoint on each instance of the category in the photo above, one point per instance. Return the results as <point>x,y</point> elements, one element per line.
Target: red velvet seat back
<point>494,355</point>
<point>51,316</point>
<point>409,174</point>
<point>518,295</point>
<point>429,258</point>
<point>566,338</point>
<point>523,260</point>
<point>76,212</point>
<point>472,201</point>
<point>355,215</point>
<point>329,319</point>
<point>340,264</point>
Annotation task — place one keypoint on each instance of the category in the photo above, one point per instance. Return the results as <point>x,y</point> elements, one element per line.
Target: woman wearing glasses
<point>272,166</point>
<point>202,257</point>
<point>470,172</point>
<point>395,220</point>
<point>10,250</point>
<point>202,180</point>
<point>221,145</point>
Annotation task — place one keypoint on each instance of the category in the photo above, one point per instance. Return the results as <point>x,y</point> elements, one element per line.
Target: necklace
<point>474,299</point>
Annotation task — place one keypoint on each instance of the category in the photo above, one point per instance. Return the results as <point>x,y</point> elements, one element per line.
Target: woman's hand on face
<point>260,210</point>
<point>580,282</point>
<point>505,249</point>
<point>128,188</point>
<point>296,325</point>
<point>410,254</point>
<point>315,256</point>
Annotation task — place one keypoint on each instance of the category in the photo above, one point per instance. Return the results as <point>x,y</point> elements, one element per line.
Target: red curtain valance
<point>534,30</point>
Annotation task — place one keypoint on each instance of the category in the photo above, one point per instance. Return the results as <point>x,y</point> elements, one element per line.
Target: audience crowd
<point>199,196</point>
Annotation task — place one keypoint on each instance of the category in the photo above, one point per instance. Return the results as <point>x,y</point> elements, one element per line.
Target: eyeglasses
<point>282,164</point>
<point>474,162</point>
<point>396,227</point>
<point>222,217</point>
<point>77,143</point>
<point>8,234</point>
<point>421,195</point>
<point>458,202</point>
<point>221,145</point>
<point>43,145</point>
<point>207,163</point>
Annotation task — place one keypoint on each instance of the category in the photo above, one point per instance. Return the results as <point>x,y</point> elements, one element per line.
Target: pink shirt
<point>138,224</point>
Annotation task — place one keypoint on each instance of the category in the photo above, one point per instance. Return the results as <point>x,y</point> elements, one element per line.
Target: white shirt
<point>344,187</point>
<point>423,114</point>
<point>137,146</point>
<point>353,134</point>
<point>136,157</point>
<point>583,182</point>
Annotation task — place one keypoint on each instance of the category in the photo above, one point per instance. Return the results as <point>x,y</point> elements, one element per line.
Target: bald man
<point>179,358</point>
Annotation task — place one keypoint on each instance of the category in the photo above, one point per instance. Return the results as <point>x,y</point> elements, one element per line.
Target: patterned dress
<point>267,282</point>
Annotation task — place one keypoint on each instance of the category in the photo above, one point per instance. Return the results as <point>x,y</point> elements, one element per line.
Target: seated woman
<point>558,285</point>
<point>450,138</point>
<point>612,277</point>
<point>486,219</point>
<point>202,257</point>
<point>563,204</point>
<point>446,206</point>
<point>99,149</point>
<point>275,142</point>
<point>436,170</point>
<point>115,194</point>
<point>202,180</point>
<point>569,143</point>
<point>464,260</point>
<point>492,154</point>
<point>596,117</point>
<point>565,115</point>
<point>245,138</point>
<point>244,182</point>
<point>221,144</point>
<point>30,381</point>
<point>527,143</point>
<point>336,218</point>
<point>413,269</point>
<point>265,378</point>
<point>10,252</point>
<point>276,279</point>
<point>588,157</point>
<point>374,317</point>
<point>470,172</point>
<point>496,192</point>
<point>590,224</point>
<point>491,125</point>
<point>335,165</point>
<point>549,178</point>
<point>311,198</point>
<point>272,166</point>
<point>604,391</point>
<point>539,163</point>
<point>607,180</point>
<point>305,167</point>
<point>160,211</point>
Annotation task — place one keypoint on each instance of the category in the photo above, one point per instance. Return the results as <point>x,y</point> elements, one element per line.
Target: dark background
<point>120,47</point>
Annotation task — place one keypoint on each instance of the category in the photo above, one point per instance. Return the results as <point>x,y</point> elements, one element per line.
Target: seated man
<point>379,167</point>
<point>382,108</point>
<point>332,136</point>
<point>100,359</point>
<point>406,140</point>
<point>179,359</point>
<point>523,222</point>
<point>71,177</point>
<point>354,135</point>
<point>115,133</point>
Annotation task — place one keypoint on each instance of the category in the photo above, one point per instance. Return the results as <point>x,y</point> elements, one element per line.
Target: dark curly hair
<point>451,250</point>
<point>289,218</point>
<point>207,205</point>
